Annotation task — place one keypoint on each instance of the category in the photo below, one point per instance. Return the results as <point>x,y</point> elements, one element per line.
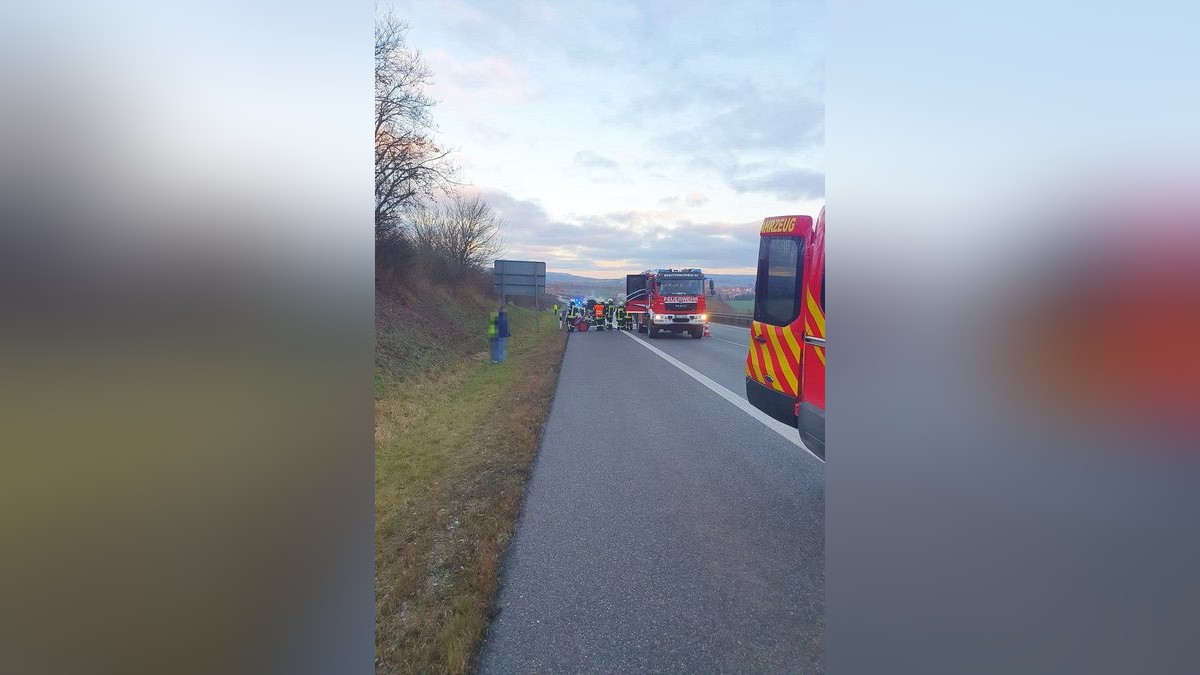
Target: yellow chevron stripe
<point>820,351</point>
<point>781,356</point>
<point>755,363</point>
<point>817,315</point>
<point>753,368</point>
<point>796,348</point>
<point>768,367</point>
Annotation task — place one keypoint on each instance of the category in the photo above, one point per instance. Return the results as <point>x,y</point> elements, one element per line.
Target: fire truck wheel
<point>697,332</point>
<point>641,327</point>
<point>651,331</point>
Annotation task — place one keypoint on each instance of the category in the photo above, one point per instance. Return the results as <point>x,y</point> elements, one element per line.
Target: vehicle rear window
<point>777,293</point>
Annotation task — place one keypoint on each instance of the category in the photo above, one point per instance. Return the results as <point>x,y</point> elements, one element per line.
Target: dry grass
<point>452,454</point>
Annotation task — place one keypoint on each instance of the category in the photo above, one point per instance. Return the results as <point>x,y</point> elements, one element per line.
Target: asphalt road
<point>664,529</point>
<point>721,357</point>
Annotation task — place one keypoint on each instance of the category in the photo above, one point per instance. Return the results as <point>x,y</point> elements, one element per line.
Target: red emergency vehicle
<point>667,301</point>
<point>785,368</point>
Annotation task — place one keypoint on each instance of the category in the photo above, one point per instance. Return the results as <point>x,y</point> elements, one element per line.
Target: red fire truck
<point>785,368</point>
<point>667,300</point>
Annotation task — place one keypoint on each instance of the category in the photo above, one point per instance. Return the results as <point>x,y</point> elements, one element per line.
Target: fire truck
<point>667,301</point>
<point>785,367</point>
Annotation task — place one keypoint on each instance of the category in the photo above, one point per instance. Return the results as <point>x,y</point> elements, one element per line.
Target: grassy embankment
<point>720,306</point>
<point>454,438</point>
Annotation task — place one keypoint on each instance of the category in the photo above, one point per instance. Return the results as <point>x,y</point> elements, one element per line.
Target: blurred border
<point>187,257</point>
<point>1016,301</point>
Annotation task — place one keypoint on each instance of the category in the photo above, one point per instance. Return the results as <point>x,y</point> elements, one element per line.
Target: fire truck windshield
<point>681,286</point>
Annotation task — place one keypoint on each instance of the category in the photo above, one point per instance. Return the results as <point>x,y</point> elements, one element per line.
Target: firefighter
<point>610,314</point>
<point>572,315</point>
<point>598,314</point>
<point>621,318</point>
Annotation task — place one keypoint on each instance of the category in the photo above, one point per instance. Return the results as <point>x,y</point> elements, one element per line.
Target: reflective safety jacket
<point>493,332</point>
<point>599,311</point>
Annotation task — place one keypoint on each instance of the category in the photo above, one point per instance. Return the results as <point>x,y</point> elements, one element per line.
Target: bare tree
<point>463,232</point>
<point>424,228</point>
<point>410,167</point>
<point>473,233</point>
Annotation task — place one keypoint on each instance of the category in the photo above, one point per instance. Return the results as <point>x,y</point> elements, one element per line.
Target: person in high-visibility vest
<point>620,315</point>
<point>558,316</point>
<point>494,336</point>
<point>598,315</point>
<point>498,335</point>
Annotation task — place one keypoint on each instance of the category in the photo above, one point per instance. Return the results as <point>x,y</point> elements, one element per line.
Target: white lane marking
<point>740,344</point>
<point>788,433</point>
<point>728,325</point>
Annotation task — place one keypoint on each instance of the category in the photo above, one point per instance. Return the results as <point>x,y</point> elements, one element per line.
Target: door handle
<point>760,338</point>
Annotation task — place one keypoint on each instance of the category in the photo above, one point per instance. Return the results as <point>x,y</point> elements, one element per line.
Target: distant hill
<point>564,278</point>
<point>732,279</point>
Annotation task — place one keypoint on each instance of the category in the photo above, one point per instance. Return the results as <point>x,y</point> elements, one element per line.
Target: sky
<point>615,136</point>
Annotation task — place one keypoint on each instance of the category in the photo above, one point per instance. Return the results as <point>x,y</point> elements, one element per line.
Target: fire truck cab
<point>667,301</point>
<point>785,367</point>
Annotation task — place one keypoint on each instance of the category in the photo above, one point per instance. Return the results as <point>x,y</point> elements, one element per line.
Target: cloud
<point>794,184</point>
<point>784,123</point>
<point>591,160</point>
<point>689,199</point>
<point>736,129</point>
<point>693,111</point>
<point>477,82</point>
<point>542,12</point>
<point>599,168</point>
<point>679,95</point>
<point>631,240</point>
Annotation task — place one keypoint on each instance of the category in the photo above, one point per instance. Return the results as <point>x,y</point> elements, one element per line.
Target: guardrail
<point>731,319</point>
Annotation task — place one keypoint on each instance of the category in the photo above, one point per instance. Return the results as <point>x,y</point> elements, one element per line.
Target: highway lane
<point>721,357</point>
<point>663,529</point>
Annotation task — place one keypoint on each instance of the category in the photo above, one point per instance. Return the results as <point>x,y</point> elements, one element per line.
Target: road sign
<point>519,277</point>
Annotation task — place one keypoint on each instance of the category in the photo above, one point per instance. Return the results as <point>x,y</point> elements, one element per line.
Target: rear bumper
<point>779,406</point>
